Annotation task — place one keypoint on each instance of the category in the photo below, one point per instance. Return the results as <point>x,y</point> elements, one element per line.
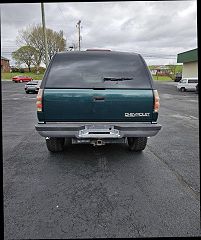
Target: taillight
<point>156,101</point>
<point>39,103</point>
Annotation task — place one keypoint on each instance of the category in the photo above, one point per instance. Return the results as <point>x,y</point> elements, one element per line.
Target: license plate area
<point>99,131</point>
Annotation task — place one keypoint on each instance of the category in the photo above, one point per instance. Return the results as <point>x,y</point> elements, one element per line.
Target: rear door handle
<point>99,98</point>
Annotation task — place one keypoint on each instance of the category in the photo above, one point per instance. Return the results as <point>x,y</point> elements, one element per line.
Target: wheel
<point>137,144</point>
<point>27,92</point>
<point>55,144</point>
<point>183,89</point>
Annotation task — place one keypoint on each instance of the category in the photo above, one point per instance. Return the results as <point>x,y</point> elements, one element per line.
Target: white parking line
<point>194,117</point>
<point>11,99</point>
<point>4,99</point>
<point>190,117</point>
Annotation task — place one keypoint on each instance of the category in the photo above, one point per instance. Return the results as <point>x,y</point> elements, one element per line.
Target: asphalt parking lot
<point>106,191</point>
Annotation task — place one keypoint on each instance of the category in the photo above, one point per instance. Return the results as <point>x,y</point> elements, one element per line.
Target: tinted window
<point>97,70</point>
<point>192,81</point>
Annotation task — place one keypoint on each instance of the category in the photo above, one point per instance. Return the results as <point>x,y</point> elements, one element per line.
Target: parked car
<point>187,84</point>
<point>178,77</point>
<point>18,79</point>
<point>32,86</point>
<point>97,97</point>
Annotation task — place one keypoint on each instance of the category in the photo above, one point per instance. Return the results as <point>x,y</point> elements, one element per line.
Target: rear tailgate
<point>97,86</point>
<point>128,105</point>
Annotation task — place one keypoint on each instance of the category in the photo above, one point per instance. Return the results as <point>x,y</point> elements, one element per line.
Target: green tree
<point>24,54</point>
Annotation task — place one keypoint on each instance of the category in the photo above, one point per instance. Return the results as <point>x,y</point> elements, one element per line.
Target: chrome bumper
<point>97,130</point>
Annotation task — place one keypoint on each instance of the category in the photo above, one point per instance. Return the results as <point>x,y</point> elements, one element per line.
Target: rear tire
<point>27,92</point>
<point>183,89</point>
<point>137,144</point>
<point>55,144</point>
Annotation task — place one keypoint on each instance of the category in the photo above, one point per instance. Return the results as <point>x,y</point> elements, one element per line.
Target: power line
<point>61,11</point>
<point>162,57</point>
<point>7,50</point>
<point>64,19</point>
<point>144,55</point>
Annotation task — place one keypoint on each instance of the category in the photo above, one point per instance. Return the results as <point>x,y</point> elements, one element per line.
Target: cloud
<point>157,29</point>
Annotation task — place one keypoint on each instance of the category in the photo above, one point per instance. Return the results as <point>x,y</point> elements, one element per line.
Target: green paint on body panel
<point>77,105</point>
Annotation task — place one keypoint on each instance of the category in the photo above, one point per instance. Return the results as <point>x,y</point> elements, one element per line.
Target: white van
<point>187,84</point>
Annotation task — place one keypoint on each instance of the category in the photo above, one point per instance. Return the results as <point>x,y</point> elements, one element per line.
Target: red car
<point>21,79</point>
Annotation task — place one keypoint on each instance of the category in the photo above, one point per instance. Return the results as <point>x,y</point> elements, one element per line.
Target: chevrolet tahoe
<point>97,97</point>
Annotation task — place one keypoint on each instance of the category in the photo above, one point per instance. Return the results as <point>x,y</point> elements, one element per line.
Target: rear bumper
<point>97,129</point>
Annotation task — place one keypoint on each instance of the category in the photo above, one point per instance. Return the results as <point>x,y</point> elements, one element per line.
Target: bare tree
<point>172,71</point>
<point>36,61</point>
<point>55,42</point>
<point>33,36</point>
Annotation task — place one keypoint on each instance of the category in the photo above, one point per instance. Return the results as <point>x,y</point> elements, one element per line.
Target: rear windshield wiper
<point>117,78</point>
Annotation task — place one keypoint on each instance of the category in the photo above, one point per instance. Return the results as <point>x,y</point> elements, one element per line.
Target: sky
<point>158,30</point>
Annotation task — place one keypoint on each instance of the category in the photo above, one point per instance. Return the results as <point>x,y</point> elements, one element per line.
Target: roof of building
<point>3,58</point>
<point>188,56</point>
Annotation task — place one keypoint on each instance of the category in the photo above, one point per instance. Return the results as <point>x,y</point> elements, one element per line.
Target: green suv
<point>97,97</point>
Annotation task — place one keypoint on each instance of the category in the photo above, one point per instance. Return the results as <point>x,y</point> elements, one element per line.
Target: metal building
<point>190,63</point>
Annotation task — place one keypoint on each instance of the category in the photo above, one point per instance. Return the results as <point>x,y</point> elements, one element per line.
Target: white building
<point>190,63</point>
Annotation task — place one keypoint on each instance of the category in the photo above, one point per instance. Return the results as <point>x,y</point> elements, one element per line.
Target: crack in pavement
<point>180,178</point>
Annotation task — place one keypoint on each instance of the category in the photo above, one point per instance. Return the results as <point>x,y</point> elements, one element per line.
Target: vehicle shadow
<point>89,155</point>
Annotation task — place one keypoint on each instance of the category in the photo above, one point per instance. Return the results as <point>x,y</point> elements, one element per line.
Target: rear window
<point>183,81</point>
<point>32,83</point>
<point>97,70</point>
<point>192,81</point>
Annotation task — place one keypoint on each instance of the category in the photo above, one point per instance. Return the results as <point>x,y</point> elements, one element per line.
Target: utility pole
<point>78,26</point>
<point>44,33</point>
